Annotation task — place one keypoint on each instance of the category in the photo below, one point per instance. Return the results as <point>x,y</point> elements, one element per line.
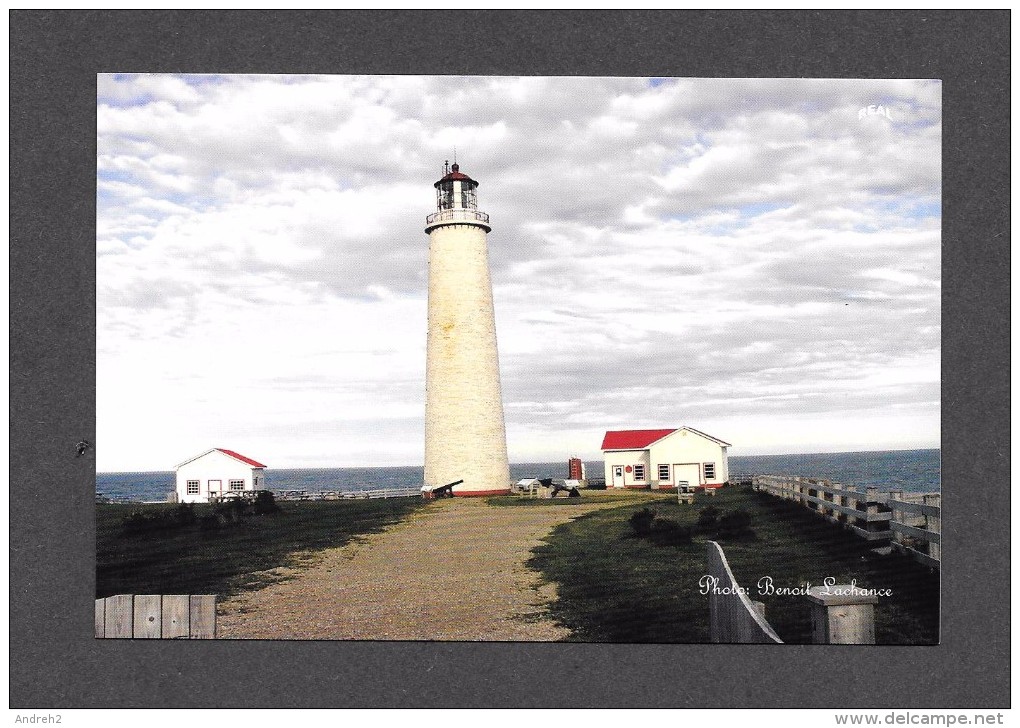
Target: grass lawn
<point>190,560</point>
<point>616,587</point>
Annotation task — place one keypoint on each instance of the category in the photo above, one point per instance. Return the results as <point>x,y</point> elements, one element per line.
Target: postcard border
<point>55,55</point>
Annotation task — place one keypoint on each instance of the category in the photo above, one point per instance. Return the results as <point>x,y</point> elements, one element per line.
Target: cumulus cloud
<point>755,258</point>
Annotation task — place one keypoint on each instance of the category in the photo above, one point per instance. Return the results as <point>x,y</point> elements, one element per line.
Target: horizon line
<point>548,462</point>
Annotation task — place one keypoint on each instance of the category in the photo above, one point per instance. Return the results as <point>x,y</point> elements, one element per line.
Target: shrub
<point>596,485</point>
<point>265,502</point>
<point>735,525</point>
<point>230,512</point>
<point>708,517</point>
<point>667,532</point>
<point>641,521</point>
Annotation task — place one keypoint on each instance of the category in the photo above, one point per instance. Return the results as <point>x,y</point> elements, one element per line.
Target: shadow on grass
<point>240,556</point>
<point>614,587</point>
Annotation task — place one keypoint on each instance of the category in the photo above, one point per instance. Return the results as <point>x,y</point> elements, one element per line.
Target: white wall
<point>688,447</point>
<point>214,466</point>
<point>625,458</point>
<point>465,435</point>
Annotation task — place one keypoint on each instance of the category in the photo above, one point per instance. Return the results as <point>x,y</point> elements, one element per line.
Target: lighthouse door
<point>617,476</point>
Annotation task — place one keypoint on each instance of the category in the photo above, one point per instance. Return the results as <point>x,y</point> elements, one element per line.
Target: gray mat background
<point>56,663</point>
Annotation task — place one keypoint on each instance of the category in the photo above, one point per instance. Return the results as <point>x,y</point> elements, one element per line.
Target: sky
<point>757,259</point>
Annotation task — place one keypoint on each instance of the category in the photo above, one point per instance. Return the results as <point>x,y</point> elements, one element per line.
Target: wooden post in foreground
<point>842,615</point>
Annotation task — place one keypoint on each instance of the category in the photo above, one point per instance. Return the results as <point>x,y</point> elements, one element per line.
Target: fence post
<point>897,515</point>
<point>934,524</point>
<point>203,616</point>
<point>147,616</point>
<point>853,502</point>
<point>842,615</point>
<point>100,618</point>
<point>871,507</point>
<point>176,622</point>
<point>119,618</point>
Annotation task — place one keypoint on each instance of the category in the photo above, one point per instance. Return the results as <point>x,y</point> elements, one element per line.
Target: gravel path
<point>455,570</point>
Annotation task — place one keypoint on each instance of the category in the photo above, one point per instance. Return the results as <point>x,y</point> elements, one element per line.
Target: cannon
<point>557,486</point>
<point>440,491</point>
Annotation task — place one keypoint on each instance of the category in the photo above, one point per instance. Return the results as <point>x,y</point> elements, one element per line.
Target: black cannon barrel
<point>445,489</point>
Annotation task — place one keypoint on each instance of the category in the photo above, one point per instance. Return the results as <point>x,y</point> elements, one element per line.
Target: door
<point>215,486</point>
<point>689,472</point>
<point>618,476</point>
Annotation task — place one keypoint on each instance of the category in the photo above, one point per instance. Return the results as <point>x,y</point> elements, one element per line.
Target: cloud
<point>675,251</point>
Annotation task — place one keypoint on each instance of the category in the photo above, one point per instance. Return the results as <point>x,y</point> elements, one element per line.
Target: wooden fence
<point>910,522</point>
<point>157,616</point>
<point>733,617</point>
<point>917,524</point>
<point>840,613</point>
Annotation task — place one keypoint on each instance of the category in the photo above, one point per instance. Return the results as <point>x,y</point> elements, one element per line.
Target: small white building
<point>661,458</point>
<point>217,472</point>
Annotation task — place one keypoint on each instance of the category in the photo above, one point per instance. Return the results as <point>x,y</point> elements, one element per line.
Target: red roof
<point>633,439</point>
<point>242,458</point>
<point>454,175</point>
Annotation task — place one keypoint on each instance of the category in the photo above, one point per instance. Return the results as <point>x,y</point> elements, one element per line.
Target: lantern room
<point>456,201</point>
<point>456,189</point>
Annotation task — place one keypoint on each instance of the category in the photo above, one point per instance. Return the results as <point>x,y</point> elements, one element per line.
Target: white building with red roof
<point>660,459</point>
<point>217,472</point>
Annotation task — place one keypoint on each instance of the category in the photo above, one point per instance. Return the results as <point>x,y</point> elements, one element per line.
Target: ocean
<point>908,470</point>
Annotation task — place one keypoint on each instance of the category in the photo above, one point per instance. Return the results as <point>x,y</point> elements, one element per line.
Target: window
<point>193,487</point>
<point>709,471</point>
<point>639,472</point>
<point>237,485</point>
<point>663,472</point>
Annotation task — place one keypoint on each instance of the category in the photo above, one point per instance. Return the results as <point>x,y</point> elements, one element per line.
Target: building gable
<point>228,453</point>
<point>698,433</point>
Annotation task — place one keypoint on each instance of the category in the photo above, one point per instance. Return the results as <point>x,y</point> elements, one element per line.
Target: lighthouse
<point>465,435</point>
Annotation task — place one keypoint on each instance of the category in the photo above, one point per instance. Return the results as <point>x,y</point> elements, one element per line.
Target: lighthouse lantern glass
<point>460,193</point>
<point>444,195</point>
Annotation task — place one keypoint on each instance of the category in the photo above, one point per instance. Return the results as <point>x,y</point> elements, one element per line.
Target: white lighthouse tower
<point>465,436</point>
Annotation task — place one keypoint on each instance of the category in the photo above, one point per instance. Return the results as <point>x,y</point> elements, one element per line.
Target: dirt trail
<point>454,570</point>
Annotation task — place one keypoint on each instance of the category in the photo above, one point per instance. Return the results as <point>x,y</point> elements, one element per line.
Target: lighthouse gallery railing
<point>448,215</point>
